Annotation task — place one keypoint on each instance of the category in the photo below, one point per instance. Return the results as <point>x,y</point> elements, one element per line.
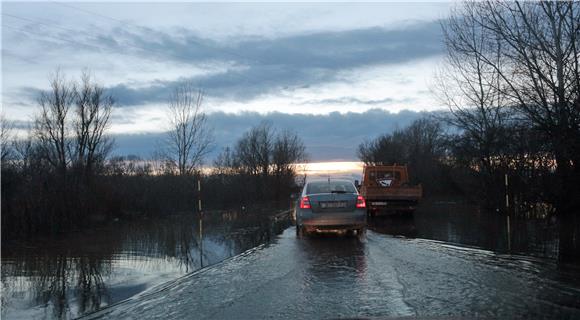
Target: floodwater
<point>380,276</point>
<point>80,273</point>
<point>449,259</point>
<point>469,225</point>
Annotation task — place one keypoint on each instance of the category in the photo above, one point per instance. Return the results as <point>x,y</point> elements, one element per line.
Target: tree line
<point>61,176</point>
<point>262,165</point>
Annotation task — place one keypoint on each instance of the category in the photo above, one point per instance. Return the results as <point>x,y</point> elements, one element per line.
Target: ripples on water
<point>83,272</point>
<point>469,225</point>
<point>80,273</point>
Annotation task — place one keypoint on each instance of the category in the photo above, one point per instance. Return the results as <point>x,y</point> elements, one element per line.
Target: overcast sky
<point>335,72</point>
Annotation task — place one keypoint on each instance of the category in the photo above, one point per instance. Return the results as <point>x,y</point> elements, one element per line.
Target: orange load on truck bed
<point>387,188</point>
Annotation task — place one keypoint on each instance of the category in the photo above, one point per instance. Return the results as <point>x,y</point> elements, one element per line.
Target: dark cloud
<point>265,64</point>
<point>325,50</point>
<point>21,124</point>
<point>353,100</point>
<point>334,136</point>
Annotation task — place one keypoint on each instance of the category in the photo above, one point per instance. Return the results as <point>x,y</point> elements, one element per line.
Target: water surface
<point>86,271</point>
<point>82,272</point>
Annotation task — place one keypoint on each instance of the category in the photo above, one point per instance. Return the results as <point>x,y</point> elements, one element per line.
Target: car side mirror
<point>357,184</point>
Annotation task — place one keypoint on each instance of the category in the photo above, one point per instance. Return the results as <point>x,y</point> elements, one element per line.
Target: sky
<point>336,73</point>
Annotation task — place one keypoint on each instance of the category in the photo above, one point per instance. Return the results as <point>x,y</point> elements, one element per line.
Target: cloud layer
<point>266,65</point>
<point>334,136</point>
<point>315,61</point>
<point>250,67</point>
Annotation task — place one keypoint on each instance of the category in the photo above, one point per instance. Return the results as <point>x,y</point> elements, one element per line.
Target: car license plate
<point>336,204</point>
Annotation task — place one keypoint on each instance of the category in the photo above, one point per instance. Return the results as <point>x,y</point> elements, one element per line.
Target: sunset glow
<point>338,169</point>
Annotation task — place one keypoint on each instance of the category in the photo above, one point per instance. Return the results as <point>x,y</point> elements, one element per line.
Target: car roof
<point>332,180</point>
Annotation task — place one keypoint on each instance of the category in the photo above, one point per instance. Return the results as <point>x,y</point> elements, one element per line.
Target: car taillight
<point>360,202</point>
<point>304,203</point>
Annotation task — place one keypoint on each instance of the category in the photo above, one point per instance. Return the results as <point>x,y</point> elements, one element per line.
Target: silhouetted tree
<point>421,146</point>
<point>288,150</point>
<point>526,57</point>
<point>92,112</point>
<point>189,137</point>
<point>254,151</point>
<point>52,124</point>
<point>5,139</point>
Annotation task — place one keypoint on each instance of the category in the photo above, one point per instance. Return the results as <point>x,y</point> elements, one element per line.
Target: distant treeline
<point>449,161</point>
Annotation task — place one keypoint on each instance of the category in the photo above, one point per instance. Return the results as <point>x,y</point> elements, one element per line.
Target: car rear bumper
<point>336,220</point>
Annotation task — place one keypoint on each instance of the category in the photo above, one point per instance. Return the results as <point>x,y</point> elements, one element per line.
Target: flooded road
<point>378,276</point>
<point>449,259</point>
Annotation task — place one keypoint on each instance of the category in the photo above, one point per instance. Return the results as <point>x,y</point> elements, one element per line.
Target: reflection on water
<point>469,225</point>
<point>333,257</point>
<point>75,275</point>
<point>71,276</point>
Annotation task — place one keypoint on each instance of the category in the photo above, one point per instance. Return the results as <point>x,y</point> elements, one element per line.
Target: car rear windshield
<point>329,187</point>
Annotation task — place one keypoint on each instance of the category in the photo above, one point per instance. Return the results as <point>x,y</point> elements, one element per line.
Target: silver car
<point>330,204</point>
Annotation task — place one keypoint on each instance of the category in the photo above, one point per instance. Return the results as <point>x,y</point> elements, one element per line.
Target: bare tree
<point>471,87</point>
<point>5,139</point>
<point>189,138</point>
<point>523,56</point>
<point>52,128</point>
<point>386,149</point>
<point>254,153</point>
<point>287,151</point>
<point>254,149</point>
<point>93,110</point>
<point>419,145</point>
<point>263,163</point>
<point>225,163</point>
<point>72,123</point>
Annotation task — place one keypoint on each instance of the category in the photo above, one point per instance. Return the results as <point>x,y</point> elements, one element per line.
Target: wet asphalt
<point>375,276</point>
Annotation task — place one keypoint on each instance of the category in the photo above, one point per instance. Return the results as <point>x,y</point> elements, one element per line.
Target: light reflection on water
<point>80,273</point>
<point>77,274</point>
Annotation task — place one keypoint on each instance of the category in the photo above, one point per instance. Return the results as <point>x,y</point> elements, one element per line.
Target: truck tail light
<point>360,202</point>
<point>305,203</point>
